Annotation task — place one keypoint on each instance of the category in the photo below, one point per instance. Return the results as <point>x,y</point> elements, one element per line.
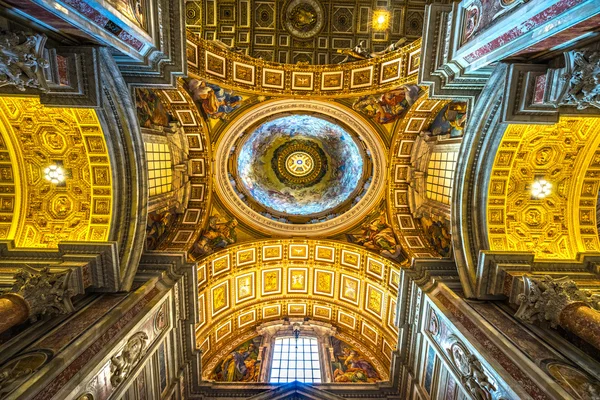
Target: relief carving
<point>133,352</point>
<point>45,293</point>
<point>473,376</point>
<point>545,298</point>
<point>582,79</point>
<point>21,61</point>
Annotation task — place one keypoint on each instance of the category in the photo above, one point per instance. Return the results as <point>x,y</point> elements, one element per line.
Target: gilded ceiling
<point>563,223</point>
<point>307,31</point>
<point>35,212</point>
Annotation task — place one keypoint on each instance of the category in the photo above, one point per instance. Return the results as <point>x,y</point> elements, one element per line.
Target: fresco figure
<point>241,365</point>
<point>150,110</point>
<point>390,106</point>
<point>377,235</point>
<point>216,236</point>
<point>158,226</point>
<point>438,235</point>
<point>450,120</point>
<point>215,101</point>
<point>350,366</point>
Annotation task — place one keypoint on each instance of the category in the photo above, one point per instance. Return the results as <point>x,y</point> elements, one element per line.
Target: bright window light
<point>54,174</point>
<point>295,360</point>
<point>541,188</point>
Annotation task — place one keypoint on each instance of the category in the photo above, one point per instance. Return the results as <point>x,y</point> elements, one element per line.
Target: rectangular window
<point>440,175</point>
<point>160,172</point>
<point>295,360</point>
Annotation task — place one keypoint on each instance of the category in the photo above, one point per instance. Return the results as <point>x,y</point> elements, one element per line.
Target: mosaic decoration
<point>158,227</point>
<point>248,284</point>
<point>350,366</point>
<point>564,223</point>
<point>449,121</point>
<point>299,165</point>
<point>308,31</point>
<point>390,106</point>
<point>150,110</point>
<point>241,365</point>
<point>35,212</point>
<point>377,235</point>
<point>215,101</point>
<point>437,232</point>
<point>216,236</point>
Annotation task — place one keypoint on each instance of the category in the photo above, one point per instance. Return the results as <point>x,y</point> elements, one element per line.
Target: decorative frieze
<point>122,364</point>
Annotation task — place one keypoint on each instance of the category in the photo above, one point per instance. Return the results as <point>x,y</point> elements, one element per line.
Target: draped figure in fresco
<point>241,365</point>
<point>150,110</point>
<point>216,236</point>
<point>390,106</point>
<point>215,101</point>
<point>378,235</point>
<point>157,227</point>
<point>349,366</point>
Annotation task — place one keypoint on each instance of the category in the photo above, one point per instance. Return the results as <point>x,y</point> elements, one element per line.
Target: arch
<point>329,281</point>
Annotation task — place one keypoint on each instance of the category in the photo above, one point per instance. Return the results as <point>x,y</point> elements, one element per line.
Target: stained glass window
<point>159,168</point>
<point>295,360</point>
<point>440,174</point>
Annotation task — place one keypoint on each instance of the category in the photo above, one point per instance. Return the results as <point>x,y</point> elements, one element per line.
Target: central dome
<point>299,165</point>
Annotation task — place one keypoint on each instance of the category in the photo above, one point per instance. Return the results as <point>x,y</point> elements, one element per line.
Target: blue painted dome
<point>299,165</point>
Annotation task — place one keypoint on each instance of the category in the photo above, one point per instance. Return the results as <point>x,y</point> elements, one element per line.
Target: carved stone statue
<point>45,293</point>
<point>582,79</point>
<point>545,298</point>
<point>21,61</point>
<point>133,352</point>
<point>473,376</point>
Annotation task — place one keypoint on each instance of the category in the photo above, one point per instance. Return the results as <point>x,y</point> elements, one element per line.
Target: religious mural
<point>437,233</point>
<point>377,235</point>
<point>216,236</point>
<point>241,365</point>
<point>350,366</point>
<point>299,165</point>
<point>215,101</point>
<point>158,227</point>
<point>450,120</point>
<point>150,110</point>
<point>390,106</point>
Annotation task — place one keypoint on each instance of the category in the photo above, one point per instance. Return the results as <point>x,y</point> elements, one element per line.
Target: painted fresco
<point>158,227</point>
<point>437,233</point>
<point>377,235</point>
<point>241,365</point>
<point>216,236</point>
<point>340,161</point>
<point>215,101</point>
<point>450,120</point>
<point>390,106</point>
<point>350,366</point>
<point>150,110</point>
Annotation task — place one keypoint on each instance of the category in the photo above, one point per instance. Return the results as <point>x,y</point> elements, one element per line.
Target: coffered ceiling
<point>303,30</point>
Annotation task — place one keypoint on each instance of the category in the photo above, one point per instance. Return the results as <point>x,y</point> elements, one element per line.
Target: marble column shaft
<point>14,310</point>
<point>583,321</point>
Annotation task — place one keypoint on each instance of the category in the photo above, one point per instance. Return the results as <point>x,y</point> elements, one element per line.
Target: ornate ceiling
<point>307,31</point>
<point>564,223</point>
<point>33,211</point>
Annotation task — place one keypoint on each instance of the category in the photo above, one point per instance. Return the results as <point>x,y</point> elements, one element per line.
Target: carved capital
<point>581,79</point>
<point>545,298</point>
<point>45,293</point>
<point>21,61</point>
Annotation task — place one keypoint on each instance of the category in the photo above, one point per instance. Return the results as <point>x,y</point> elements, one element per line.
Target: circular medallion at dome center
<point>299,164</point>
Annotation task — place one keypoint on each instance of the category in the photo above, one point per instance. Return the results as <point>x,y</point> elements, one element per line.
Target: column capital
<point>544,299</point>
<point>45,293</point>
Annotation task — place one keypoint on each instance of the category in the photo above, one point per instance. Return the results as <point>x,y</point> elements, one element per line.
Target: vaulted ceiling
<point>303,30</point>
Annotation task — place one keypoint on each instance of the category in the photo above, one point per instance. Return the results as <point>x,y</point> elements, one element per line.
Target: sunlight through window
<point>295,360</point>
